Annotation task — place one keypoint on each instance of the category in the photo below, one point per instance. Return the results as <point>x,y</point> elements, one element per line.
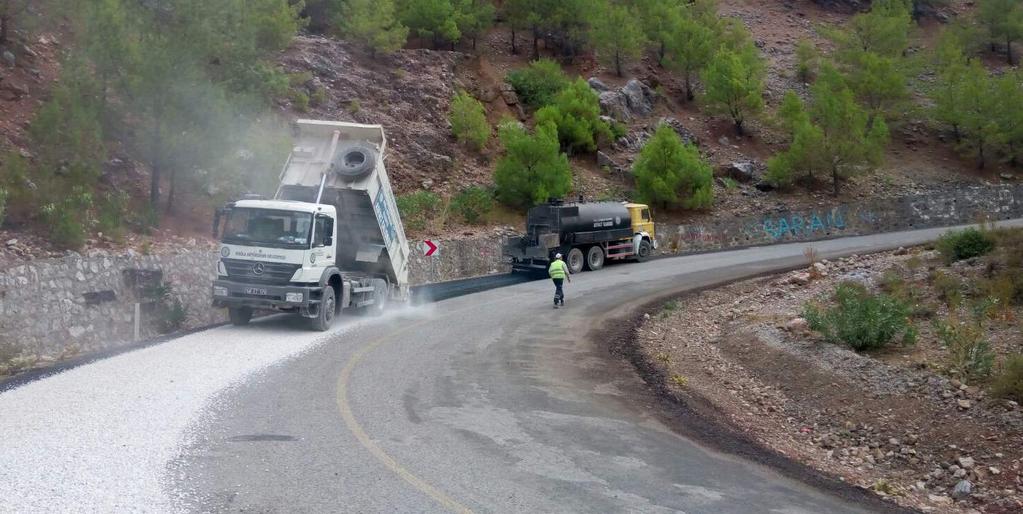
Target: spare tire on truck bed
<point>354,160</point>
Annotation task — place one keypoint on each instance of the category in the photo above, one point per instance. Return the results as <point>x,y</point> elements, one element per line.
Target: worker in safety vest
<point>558,272</point>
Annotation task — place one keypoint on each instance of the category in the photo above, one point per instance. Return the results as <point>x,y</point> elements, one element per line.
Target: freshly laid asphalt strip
<point>486,402</point>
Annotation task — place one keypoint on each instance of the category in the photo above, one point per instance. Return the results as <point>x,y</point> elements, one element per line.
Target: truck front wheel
<point>328,307</point>
<point>644,251</point>
<point>239,316</point>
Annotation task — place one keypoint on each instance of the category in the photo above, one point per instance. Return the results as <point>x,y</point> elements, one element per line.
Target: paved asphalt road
<point>492,402</point>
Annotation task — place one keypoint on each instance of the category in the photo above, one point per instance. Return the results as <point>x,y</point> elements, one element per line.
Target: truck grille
<point>259,272</point>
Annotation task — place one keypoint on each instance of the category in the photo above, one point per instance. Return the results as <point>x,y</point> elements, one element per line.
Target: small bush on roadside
<point>969,354</point>
<point>1008,383</point>
<point>418,208</point>
<point>861,320</point>
<point>537,84</point>
<point>473,203</point>
<point>964,244</point>
<point>949,288</point>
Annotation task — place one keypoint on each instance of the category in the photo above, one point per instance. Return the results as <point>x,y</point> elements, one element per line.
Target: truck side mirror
<point>327,241</point>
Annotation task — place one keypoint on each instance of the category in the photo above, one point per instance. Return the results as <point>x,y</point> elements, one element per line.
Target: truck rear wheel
<point>595,258</point>
<point>239,316</point>
<point>380,295</point>
<point>575,260</point>
<point>644,251</point>
<point>328,308</point>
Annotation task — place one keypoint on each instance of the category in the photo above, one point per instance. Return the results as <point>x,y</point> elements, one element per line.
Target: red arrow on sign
<point>430,247</point>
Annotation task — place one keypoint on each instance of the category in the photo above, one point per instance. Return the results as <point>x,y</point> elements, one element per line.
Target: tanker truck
<point>587,234</point>
<point>330,238</point>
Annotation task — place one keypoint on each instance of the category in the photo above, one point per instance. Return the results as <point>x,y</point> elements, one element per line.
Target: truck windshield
<point>265,227</point>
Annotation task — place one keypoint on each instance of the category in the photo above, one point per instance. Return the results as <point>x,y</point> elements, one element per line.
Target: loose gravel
<point>98,438</point>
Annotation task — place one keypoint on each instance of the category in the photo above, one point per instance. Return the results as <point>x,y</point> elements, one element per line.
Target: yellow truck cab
<point>642,221</point>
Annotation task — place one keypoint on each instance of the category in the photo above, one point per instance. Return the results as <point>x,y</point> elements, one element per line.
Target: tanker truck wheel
<point>239,316</point>
<point>575,260</point>
<point>644,251</point>
<point>595,258</point>
<point>328,308</point>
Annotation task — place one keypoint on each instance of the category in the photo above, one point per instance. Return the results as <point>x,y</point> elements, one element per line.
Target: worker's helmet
<point>557,256</point>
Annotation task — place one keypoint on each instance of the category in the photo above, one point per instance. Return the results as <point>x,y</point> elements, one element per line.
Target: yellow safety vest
<point>558,269</point>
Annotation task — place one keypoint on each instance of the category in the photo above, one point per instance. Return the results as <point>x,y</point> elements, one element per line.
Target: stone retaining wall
<point>55,308</point>
<point>963,206</point>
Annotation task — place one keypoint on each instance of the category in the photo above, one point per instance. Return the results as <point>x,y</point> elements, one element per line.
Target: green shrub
<point>319,97</point>
<point>949,288</point>
<point>67,220</point>
<point>963,244</point>
<point>969,353</point>
<point>861,320</point>
<point>1008,383</point>
<point>469,121</point>
<point>299,100</point>
<point>537,83</point>
<point>473,203</point>
<point>532,169</point>
<point>111,215</point>
<point>418,209</point>
<point>575,111</point>
<point>3,205</point>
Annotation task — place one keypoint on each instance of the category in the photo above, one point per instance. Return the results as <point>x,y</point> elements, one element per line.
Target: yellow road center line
<point>356,429</point>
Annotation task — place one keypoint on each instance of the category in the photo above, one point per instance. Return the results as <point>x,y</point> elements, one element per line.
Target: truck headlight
<point>219,291</point>
<point>221,269</point>
<point>293,297</point>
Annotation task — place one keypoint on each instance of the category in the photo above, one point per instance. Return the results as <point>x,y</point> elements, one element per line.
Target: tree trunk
<point>689,89</point>
<point>536,46</point>
<point>5,23</point>
<point>474,43</point>
<point>981,158</point>
<point>515,51</point>
<point>1008,50</point>
<point>834,181</point>
<point>660,55</point>
<point>955,133</point>
<point>173,188</point>
<point>156,150</point>
<point>618,63</point>
<point>739,130</point>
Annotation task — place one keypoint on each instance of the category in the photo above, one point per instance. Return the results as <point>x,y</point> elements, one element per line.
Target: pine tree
<point>735,85</point>
<point>690,49</point>
<point>375,24</point>
<point>658,18</point>
<point>1009,91</point>
<point>436,20</point>
<point>833,136</point>
<point>879,82</point>
<point>469,121</point>
<point>575,113</point>
<point>1004,22</point>
<point>669,172</point>
<point>532,169</point>
<point>474,18</point>
<point>617,35</point>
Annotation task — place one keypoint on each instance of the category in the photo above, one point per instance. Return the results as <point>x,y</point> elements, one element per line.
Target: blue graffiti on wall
<point>804,226</point>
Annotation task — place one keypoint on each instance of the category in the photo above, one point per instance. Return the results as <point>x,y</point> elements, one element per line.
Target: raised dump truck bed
<point>330,239</point>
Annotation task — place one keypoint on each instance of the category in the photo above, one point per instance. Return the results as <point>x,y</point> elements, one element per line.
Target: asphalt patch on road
<point>693,417</point>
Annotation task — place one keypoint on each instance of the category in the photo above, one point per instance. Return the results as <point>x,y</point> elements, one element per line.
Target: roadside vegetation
<point>187,90</point>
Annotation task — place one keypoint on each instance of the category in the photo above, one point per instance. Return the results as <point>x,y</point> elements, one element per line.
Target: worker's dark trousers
<point>559,295</point>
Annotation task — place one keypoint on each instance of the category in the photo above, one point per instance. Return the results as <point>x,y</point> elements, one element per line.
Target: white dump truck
<point>330,239</point>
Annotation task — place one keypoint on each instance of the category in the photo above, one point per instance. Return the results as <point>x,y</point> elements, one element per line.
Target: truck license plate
<point>255,290</point>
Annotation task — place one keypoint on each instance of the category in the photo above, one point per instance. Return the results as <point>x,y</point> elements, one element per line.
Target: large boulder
<point>635,140</point>
<point>633,100</point>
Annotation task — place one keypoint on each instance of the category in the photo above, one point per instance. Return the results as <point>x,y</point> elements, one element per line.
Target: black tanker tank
<point>574,218</point>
